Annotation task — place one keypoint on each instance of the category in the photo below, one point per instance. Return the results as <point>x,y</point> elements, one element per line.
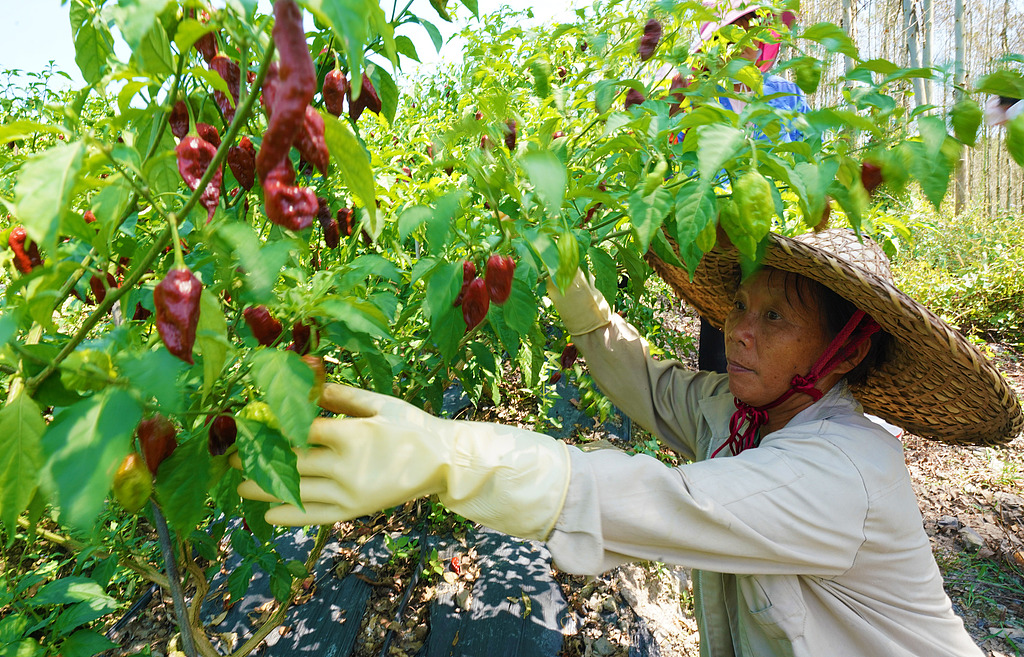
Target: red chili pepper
<point>141,314</point>
<point>456,565</point>
<point>633,97</point>
<point>569,354</point>
<point>499,277</point>
<point>209,133</point>
<point>332,233</point>
<point>510,134</point>
<point>194,157</point>
<point>649,41</point>
<point>345,221</point>
<point>555,378</point>
<point>368,99</point>
<point>287,204</point>
<point>311,142</point>
<point>176,299</point>
<point>178,119</point>
<point>26,252</point>
<point>207,46</point>
<point>99,292</point>
<point>242,161</point>
<point>158,439</point>
<point>222,434</point>
<point>291,92</point>
<point>468,274</point>
<point>334,91</point>
<point>264,327</point>
<point>475,303</point>
<point>301,332</point>
<point>89,217</point>
<point>228,69</point>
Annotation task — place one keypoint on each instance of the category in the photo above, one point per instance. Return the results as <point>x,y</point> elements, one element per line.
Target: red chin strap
<point>747,421</point>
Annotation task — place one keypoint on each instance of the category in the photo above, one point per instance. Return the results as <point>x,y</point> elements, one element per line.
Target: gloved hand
<point>582,308</point>
<point>388,452</point>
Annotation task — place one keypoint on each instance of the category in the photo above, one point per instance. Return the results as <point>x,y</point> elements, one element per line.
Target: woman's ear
<point>855,358</point>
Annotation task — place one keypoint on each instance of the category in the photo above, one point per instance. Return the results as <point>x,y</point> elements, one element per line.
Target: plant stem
<point>188,645</point>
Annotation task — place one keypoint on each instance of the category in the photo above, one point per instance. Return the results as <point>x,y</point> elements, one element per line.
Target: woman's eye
<point>773,315</point>
<point>738,305</point>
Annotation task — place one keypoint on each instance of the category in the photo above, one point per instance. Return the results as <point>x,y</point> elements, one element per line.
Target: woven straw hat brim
<point>933,383</point>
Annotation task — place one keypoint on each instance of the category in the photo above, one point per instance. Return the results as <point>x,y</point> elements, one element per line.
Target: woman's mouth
<point>733,367</point>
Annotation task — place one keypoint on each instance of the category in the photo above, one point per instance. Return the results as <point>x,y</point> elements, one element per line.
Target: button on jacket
<point>811,544</point>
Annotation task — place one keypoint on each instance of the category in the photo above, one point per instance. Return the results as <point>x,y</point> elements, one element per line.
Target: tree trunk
<point>926,49</point>
<point>959,74</point>
<point>910,28</point>
<point>848,27</point>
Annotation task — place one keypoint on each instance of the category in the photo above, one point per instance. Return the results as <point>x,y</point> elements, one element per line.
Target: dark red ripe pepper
<point>286,203</point>
<point>676,91</point>
<point>300,338</point>
<point>26,253</point>
<point>555,378</point>
<point>311,142</point>
<point>334,91</point>
<point>178,119</point>
<point>569,355</point>
<point>290,93</point>
<point>99,292</point>
<point>345,221</point>
<point>242,161</point>
<point>209,133</point>
<point>468,274</point>
<point>871,176</point>
<point>510,135</point>
<point>649,41</point>
<point>157,438</point>
<point>332,233</point>
<point>475,303</point>
<point>89,217</point>
<point>194,157</point>
<point>141,313</point>
<point>265,328</point>
<point>368,99</point>
<point>176,298</point>
<point>499,278</point>
<point>634,97</point>
<point>207,46</point>
<point>228,69</point>
<point>223,432</point>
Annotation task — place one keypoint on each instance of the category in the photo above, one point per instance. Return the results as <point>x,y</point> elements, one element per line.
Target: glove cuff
<point>509,479</point>
<point>582,308</point>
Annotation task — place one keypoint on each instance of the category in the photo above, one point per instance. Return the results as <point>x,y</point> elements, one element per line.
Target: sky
<point>34,32</point>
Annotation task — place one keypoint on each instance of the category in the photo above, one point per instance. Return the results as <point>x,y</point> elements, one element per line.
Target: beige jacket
<point>810,545</point>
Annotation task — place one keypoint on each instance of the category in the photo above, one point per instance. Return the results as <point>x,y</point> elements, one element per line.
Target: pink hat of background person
<point>733,11</point>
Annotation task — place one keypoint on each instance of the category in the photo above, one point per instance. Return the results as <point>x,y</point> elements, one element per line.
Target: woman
<point>797,511</point>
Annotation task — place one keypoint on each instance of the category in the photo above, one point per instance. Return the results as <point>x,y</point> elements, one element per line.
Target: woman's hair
<point>836,312</point>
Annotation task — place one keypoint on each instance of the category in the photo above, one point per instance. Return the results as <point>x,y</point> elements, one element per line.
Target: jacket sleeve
<point>661,396</point>
<point>795,506</point>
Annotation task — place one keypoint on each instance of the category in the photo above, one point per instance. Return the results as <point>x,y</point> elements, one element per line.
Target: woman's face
<point>774,332</point>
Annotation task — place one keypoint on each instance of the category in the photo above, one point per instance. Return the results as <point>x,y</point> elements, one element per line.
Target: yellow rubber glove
<point>582,308</point>
<point>388,452</point>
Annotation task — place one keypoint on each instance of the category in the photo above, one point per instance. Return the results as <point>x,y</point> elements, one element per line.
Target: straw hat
<point>732,10</point>
<point>933,382</point>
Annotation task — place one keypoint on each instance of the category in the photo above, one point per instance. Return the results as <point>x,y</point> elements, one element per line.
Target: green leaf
<point>832,37</point>
<point>811,183</point>
<point>387,91</point>
<point>661,248</point>
<point>447,330</point>
<point>695,213</point>
<point>81,613</point>
<point>472,6</point>
<point>350,20</point>
<point>286,382</point>
<point>21,457</point>
<point>646,213</point>
<point>181,486</point>
<point>96,432</point>
<point>1015,139</point>
<point>411,219</point>
<point>604,95</point>
<point>68,590</point>
<point>156,374</point>
<point>261,264</point>
<point>520,311</point>
<point>717,144</point>
<point>268,459</point>
<point>547,173</point>
<point>405,46</point>
<point>238,580</point>
<point>353,160</point>
<point>606,277</point>
<point>154,52</point>
<point>212,336</point>
<point>135,18</point>
<point>188,32</point>
<point>44,191</point>
<point>929,164</point>
<point>432,32</point>
<point>966,117</point>
<point>85,643</point>
<point>442,288</point>
<point>357,315</point>
<point>22,129</point>
<point>440,221</point>
<point>568,260</point>
<point>93,41</point>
